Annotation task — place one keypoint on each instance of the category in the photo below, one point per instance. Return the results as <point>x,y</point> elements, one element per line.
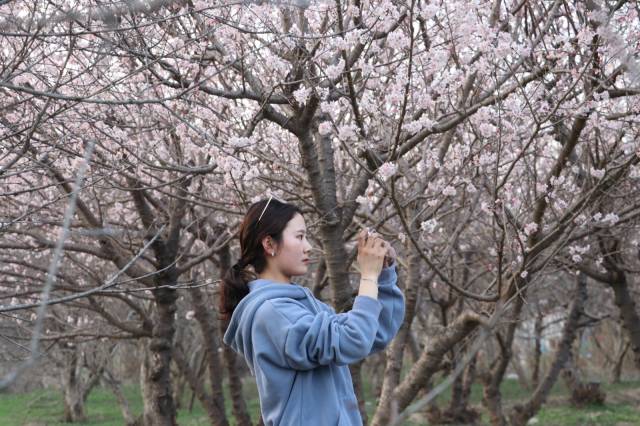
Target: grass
<point>608,415</point>
<point>44,407</point>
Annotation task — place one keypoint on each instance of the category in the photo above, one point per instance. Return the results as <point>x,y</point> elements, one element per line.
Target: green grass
<point>45,407</point>
<point>607,415</point>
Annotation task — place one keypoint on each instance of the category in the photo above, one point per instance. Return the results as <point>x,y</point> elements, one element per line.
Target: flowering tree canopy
<point>495,143</point>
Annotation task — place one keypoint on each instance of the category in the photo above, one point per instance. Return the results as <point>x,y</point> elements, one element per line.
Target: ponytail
<point>234,288</point>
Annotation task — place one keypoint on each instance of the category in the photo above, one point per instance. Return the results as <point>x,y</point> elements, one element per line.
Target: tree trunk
<point>521,413</point>
<point>387,407</point>
<point>582,394</point>
<point>617,368</point>
<point>196,383</point>
<point>517,368</point>
<point>491,395</point>
<point>116,388</point>
<point>458,411</point>
<point>431,358</point>
<point>469,379</point>
<point>73,400</point>
<point>318,161</point>
<point>159,404</point>
<point>158,400</point>
<point>537,351</point>
<point>230,358</point>
<point>628,314</point>
<point>145,385</point>
<point>211,338</point>
<point>358,389</point>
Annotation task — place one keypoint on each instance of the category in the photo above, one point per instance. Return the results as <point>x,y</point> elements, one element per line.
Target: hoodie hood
<point>238,334</point>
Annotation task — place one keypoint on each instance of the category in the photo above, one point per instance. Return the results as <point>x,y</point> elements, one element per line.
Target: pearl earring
<point>273,254</point>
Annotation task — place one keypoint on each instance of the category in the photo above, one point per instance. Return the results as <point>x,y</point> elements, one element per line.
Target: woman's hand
<point>371,253</point>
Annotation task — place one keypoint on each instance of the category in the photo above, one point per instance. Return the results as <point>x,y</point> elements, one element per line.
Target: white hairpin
<point>265,207</point>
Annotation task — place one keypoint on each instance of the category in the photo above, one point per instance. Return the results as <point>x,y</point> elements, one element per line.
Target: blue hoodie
<point>299,349</point>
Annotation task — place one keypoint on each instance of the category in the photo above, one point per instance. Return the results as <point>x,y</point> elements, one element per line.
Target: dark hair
<point>257,224</point>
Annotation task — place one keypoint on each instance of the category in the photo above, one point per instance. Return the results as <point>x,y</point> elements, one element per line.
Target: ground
<point>44,407</point>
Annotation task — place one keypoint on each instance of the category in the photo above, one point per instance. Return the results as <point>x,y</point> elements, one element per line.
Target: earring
<point>273,254</point>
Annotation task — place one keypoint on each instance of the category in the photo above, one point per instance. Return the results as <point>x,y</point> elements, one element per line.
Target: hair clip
<point>265,207</point>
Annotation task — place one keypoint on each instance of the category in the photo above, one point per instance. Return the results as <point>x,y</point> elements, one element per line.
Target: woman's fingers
<point>362,238</point>
<point>372,240</point>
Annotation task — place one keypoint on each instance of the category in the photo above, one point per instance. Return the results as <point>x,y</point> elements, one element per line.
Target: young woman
<point>296,346</point>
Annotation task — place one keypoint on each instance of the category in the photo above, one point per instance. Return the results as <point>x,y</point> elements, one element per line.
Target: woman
<point>297,347</point>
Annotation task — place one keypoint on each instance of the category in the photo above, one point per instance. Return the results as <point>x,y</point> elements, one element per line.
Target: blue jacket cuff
<point>368,304</point>
<point>388,276</point>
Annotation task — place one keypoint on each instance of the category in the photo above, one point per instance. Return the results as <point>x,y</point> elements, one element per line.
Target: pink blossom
<point>597,173</point>
<point>334,71</point>
<point>449,191</point>
<point>397,40</point>
<point>301,95</point>
<point>429,226</point>
<point>325,128</point>
<point>347,132</point>
<point>530,228</point>
<point>387,170</point>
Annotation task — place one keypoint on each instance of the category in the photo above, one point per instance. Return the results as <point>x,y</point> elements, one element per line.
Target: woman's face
<point>292,254</point>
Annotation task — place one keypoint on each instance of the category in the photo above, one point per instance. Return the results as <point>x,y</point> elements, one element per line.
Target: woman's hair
<point>264,218</point>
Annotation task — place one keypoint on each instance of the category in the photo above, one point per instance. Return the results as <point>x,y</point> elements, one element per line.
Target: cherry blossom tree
<point>494,143</point>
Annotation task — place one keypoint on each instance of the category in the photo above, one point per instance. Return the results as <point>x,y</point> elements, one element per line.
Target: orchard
<point>494,144</point>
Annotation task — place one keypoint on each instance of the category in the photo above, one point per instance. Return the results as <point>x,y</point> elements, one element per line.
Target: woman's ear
<point>268,245</point>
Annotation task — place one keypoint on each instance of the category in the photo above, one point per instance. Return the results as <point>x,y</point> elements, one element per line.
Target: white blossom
<point>301,95</point>
<point>325,128</point>
<point>387,170</point>
<point>597,173</point>
<point>429,226</point>
<point>449,191</point>
<point>612,218</point>
<point>530,228</point>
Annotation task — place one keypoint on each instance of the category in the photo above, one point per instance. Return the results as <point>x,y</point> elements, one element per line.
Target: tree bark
<point>358,389</point>
<point>116,388</point>
<point>537,351</point>
<point>521,413</point>
<point>628,314</point>
<point>431,358</point>
<point>522,377</point>
<point>317,160</point>
<point>581,393</point>
<point>159,398</point>
<point>72,388</point>
<point>617,368</point>
<point>145,386</point>
<point>211,338</point>
<point>387,406</point>
<point>616,278</point>
<point>160,408</point>
<point>197,385</point>
<point>469,379</point>
<point>238,404</point>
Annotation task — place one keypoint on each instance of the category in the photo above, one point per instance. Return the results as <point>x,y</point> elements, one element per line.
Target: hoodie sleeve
<point>392,313</point>
<point>291,336</point>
